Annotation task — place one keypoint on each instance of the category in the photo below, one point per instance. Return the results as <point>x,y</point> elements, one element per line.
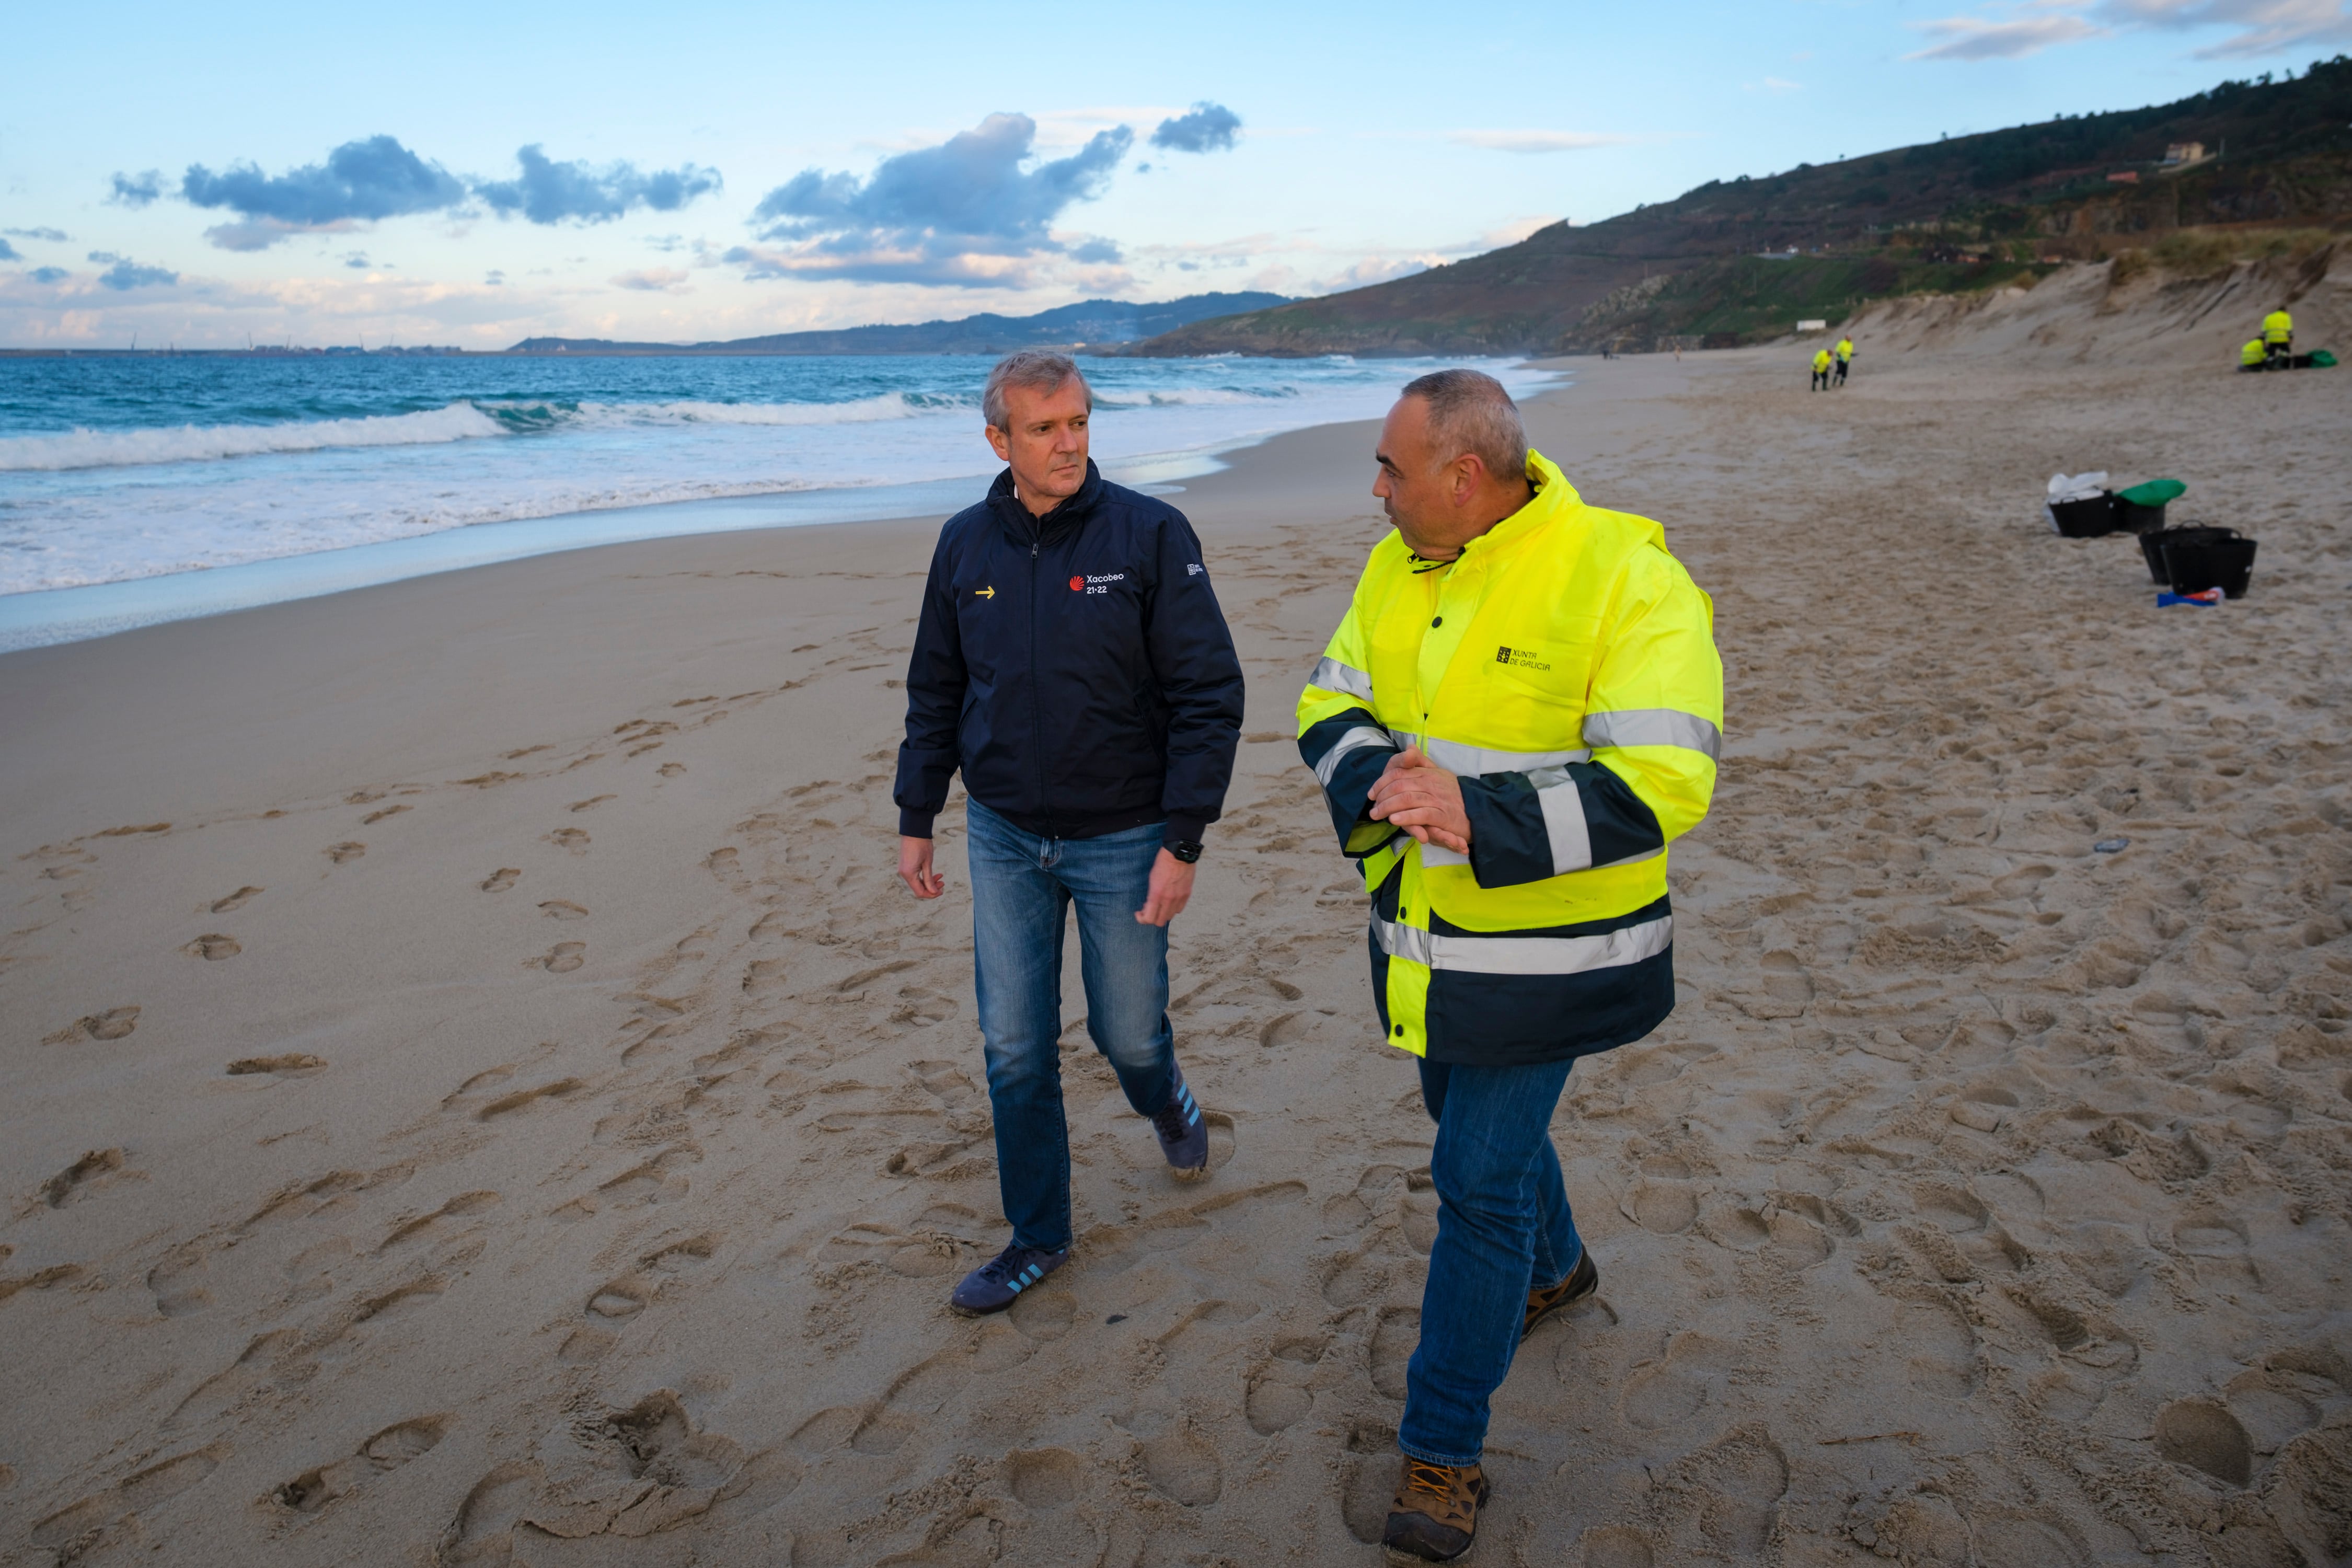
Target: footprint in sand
<point>235,901</point>
<point>1279,1396</point>
<point>114,1024</point>
<point>1749,1476</point>
<point>1393,1339</point>
<point>373,817</point>
<point>483,1529</point>
<point>2204,1435</point>
<point>1045,1478</point>
<point>290,1064</point>
<point>177,1283</point>
<point>1670,1390</point>
<point>360,1325</point>
<point>670,770</point>
<point>81,1528</point>
<point>73,1182</point>
<point>340,853</point>
<point>571,838</point>
<point>1182,1465</point>
<point>562,958</point>
<point>500,880</point>
<point>463,1204</point>
<point>591,802</point>
<point>220,1392</point>
<point>524,1099</point>
<point>917,1398</point>
<point>214,946</point>
<point>633,1292</point>
<point>386,1451</point>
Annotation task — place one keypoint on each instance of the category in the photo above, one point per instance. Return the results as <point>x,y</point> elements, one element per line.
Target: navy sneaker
<point>1183,1132</point>
<point>998,1283</point>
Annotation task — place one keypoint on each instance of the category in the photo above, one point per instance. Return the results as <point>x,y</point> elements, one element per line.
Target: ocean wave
<point>86,448</point>
<point>462,421</point>
<point>1199,397</point>
<point>859,411</point>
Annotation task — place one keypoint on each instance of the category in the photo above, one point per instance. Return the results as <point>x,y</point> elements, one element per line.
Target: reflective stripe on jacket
<point>2277,327</point>
<point>1564,665</point>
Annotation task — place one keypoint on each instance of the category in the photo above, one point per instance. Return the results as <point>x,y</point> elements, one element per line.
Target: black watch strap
<point>1185,849</point>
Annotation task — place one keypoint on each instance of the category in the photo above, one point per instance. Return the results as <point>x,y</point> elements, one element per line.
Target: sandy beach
<point>476,1093</point>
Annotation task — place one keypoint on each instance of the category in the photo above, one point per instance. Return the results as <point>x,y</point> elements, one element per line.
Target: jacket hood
<point>1556,500</point>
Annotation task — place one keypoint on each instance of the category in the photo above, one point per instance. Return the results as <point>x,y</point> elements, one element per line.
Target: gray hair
<point>1038,370</point>
<point>1470,412</point>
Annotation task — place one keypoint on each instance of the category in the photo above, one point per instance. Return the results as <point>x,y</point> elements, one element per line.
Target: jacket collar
<point>1554,499</point>
<point>1066,515</point>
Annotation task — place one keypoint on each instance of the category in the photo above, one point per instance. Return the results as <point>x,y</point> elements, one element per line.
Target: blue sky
<point>478,173</point>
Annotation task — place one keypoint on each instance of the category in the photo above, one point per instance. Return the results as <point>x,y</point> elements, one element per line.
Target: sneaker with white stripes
<point>1183,1132</point>
<point>998,1283</point>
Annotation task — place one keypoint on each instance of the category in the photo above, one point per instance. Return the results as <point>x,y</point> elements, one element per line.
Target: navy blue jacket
<point>1075,665</point>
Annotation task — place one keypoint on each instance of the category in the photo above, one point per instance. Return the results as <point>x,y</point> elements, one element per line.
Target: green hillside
<point>1967,211</point>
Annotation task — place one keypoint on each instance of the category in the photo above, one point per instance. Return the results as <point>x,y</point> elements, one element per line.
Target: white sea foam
<point>860,411</point>
<point>198,443</point>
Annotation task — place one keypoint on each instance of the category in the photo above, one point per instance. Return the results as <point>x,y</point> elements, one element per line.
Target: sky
<point>475,174</point>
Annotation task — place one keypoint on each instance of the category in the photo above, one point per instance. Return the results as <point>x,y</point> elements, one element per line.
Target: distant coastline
<point>1089,325</point>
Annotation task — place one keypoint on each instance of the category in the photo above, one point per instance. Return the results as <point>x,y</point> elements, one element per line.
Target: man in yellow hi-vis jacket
<point>1521,707</point>
<point>2278,336</point>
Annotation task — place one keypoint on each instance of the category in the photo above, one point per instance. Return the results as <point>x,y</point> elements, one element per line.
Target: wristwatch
<point>1185,849</point>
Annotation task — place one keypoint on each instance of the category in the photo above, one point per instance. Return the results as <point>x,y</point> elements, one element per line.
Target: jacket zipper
<point>1036,702</point>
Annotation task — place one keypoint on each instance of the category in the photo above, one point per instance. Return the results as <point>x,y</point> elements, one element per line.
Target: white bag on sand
<point>2081,487</point>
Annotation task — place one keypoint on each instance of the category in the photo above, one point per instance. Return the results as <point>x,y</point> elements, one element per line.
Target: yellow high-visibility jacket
<point>2254,352</point>
<point>1845,348</point>
<point>1821,360</point>
<point>2278,327</point>
<point>1564,666</point>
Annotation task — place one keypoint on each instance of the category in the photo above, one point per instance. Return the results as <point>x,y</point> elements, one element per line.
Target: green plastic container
<point>2140,509</point>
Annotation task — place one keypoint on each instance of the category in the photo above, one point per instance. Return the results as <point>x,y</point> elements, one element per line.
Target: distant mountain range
<point>1947,215</point>
<point>1090,321</point>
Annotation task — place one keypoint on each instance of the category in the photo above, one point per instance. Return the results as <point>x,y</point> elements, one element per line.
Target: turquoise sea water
<point>118,468</point>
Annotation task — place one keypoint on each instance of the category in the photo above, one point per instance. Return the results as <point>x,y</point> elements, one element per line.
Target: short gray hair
<point>1039,370</point>
<point>1470,412</point>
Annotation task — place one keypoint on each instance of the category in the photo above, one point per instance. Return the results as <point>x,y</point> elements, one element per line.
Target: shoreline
<point>48,618</point>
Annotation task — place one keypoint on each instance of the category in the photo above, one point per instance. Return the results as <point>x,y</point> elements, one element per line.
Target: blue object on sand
<point>2205,599</point>
<point>2109,845</point>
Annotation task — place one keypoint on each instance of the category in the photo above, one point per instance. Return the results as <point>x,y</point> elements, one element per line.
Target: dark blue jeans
<point>1502,1229</point>
<point>1022,886</point>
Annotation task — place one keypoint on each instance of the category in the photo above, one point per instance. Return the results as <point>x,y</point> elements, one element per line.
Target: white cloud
<point>1534,140</point>
<point>653,281</point>
<point>2261,26</point>
<point>2256,26</point>
<point>1977,38</point>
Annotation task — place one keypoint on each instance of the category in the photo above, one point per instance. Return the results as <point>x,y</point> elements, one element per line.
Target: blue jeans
<point>1020,885</point>
<point>1502,1229</point>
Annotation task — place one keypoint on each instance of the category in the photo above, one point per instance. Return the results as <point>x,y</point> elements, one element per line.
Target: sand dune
<point>476,1093</point>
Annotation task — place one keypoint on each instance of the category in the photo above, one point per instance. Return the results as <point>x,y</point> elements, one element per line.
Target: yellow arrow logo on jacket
<point>988,593</point>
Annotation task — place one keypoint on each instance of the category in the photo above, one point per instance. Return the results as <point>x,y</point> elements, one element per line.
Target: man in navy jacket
<point>1072,661</point>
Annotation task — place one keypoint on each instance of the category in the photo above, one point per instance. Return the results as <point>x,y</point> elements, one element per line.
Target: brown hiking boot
<point>1582,1281</point>
<point>1435,1514</point>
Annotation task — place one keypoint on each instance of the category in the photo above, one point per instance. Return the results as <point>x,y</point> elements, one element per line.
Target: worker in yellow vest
<point>2255,355</point>
<point>1844,358</point>
<point>1521,707</point>
<point>2278,336</point>
<point>1820,370</point>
